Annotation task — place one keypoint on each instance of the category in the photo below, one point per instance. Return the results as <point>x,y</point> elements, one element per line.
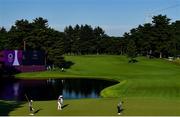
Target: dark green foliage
<point>163,34</point>
<point>87,40</point>
<point>157,39</point>
<point>3,38</point>
<point>56,50</point>
<point>131,51</point>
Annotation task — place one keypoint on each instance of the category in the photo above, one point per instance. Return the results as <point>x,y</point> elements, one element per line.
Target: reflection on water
<point>16,89</point>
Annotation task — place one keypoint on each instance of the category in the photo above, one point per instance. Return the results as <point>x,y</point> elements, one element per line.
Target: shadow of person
<point>37,111</point>
<point>122,110</point>
<point>65,106</point>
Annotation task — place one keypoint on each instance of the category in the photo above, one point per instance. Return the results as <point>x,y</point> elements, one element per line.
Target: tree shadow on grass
<point>7,106</point>
<point>67,64</point>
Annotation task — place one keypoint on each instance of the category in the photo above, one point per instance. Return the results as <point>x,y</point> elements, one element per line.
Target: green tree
<point>99,34</point>
<point>3,38</point>
<point>69,39</point>
<point>18,34</point>
<point>131,51</point>
<point>76,40</point>
<point>56,51</point>
<point>175,43</point>
<point>161,25</point>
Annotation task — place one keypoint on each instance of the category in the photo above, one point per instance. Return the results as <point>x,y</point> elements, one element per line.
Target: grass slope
<point>146,78</point>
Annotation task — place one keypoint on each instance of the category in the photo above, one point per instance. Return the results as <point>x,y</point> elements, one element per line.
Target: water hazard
<point>16,89</point>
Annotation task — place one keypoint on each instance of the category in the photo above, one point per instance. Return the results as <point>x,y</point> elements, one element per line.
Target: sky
<point>115,16</point>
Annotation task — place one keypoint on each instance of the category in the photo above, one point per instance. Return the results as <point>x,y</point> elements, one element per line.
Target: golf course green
<point>147,87</point>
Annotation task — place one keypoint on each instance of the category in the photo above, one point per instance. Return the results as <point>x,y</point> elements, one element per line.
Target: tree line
<point>160,38</point>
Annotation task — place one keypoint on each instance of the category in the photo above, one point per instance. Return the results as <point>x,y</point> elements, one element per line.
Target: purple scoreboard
<point>33,57</point>
<point>13,57</point>
<point>23,60</point>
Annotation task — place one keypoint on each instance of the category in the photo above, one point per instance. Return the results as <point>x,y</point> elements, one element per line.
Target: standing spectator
<point>61,100</point>
<point>59,104</point>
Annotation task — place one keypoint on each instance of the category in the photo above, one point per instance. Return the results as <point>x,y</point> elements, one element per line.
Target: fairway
<point>148,87</point>
<point>102,107</point>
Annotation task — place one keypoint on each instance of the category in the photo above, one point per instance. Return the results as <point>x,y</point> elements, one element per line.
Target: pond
<point>16,89</point>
